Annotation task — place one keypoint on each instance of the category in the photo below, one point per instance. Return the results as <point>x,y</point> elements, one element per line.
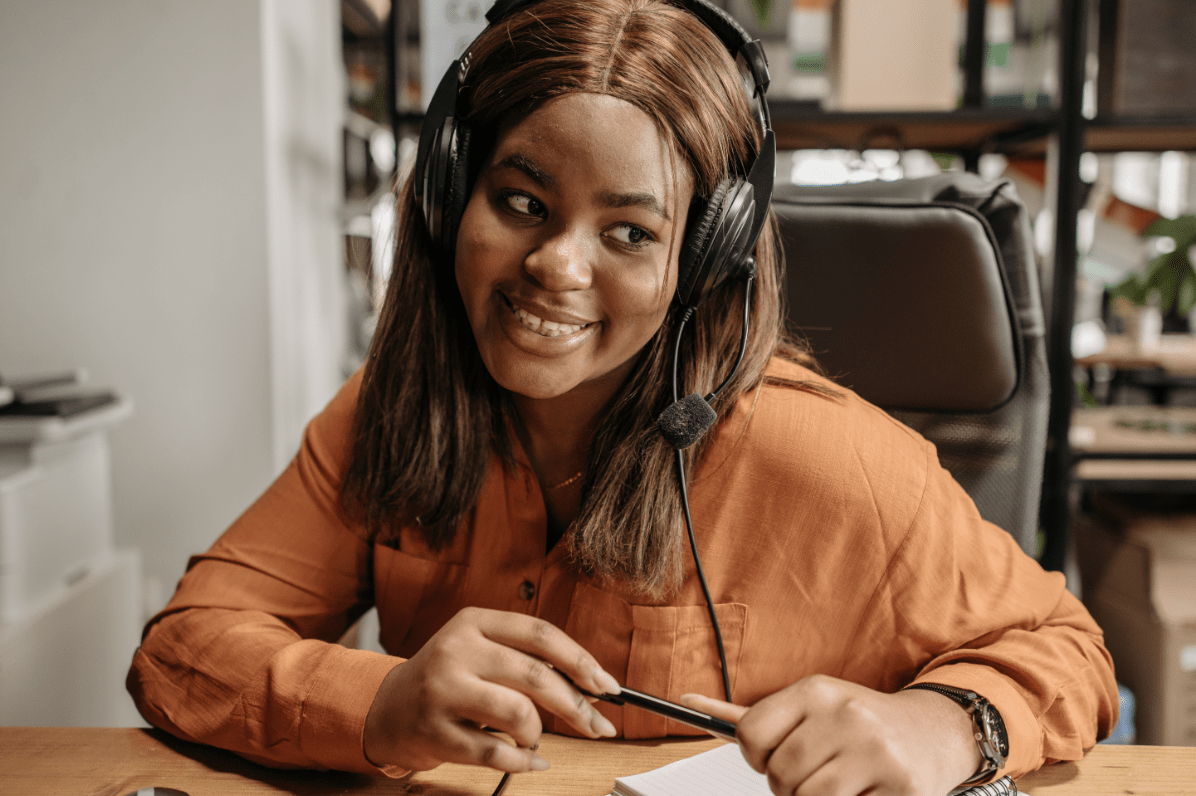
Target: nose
<point>561,261</point>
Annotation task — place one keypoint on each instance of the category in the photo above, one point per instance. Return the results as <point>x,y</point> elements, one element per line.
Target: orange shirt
<point>832,540</point>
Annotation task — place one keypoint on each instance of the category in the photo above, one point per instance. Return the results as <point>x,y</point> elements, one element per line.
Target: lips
<point>542,327</point>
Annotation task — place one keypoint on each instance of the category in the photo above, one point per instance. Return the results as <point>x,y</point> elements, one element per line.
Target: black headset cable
<point>689,526</point>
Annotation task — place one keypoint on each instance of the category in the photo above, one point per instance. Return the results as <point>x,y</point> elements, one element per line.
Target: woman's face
<point>567,251</point>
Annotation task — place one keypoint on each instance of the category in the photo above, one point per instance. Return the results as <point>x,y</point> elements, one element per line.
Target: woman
<point>494,481</point>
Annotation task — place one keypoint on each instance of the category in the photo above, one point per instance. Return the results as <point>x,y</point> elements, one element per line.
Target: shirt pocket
<point>662,650</point>
<point>414,598</point>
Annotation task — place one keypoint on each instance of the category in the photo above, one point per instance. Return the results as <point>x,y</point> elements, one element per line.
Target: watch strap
<point>989,729</point>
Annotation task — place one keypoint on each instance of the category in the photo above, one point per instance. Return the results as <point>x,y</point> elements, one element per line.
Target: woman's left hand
<point>829,737</point>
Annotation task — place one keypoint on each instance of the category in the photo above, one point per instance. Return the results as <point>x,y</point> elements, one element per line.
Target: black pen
<point>662,707</point>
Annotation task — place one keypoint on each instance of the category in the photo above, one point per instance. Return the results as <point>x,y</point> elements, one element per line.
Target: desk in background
<point>1135,449</point>
<point>1176,353</point>
<point>50,761</point>
<point>1170,366</point>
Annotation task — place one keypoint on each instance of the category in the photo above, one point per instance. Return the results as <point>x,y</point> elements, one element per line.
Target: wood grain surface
<point>63,761</point>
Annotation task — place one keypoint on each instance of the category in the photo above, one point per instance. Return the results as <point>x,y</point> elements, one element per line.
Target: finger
<point>549,643</point>
<point>493,706</point>
<point>471,746</point>
<point>800,756</point>
<point>727,711</point>
<point>836,777</point>
<point>767,725</point>
<point>538,681</point>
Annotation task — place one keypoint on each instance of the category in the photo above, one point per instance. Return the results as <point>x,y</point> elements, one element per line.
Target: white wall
<point>304,119</point>
<point>169,177</point>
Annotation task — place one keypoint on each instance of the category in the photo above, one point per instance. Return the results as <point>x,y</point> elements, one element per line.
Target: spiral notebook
<point>724,772</point>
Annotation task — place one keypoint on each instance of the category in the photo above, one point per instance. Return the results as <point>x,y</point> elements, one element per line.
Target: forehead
<point>605,141</point>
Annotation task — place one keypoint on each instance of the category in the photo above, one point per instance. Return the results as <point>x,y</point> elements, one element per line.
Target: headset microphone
<point>685,421</point>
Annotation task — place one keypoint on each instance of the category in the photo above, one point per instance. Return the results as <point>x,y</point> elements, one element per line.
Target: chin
<point>537,389</point>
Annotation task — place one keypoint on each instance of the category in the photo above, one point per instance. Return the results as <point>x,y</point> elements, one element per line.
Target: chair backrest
<point>922,296</point>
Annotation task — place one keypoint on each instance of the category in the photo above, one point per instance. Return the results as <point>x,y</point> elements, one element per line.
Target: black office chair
<point>922,296</point>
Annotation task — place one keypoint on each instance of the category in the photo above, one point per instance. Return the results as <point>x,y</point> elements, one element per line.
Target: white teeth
<point>530,321</point>
<point>543,327</point>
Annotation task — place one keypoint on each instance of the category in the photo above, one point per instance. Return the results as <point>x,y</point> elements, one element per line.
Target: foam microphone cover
<point>684,423</point>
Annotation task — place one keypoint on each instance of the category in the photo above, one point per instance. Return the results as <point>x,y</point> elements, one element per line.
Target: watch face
<point>996,731</point>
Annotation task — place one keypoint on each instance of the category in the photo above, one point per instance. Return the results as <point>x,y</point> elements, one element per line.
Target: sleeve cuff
<point>1021,725</point>
<point>334,711</point>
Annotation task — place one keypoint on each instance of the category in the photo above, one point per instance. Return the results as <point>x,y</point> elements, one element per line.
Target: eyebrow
<point>528,167</point>
<point>542,178</point>
<point>645,200</point>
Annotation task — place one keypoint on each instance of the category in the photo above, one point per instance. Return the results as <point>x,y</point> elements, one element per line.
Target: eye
<point>524,205</point>
<point>631,235</point>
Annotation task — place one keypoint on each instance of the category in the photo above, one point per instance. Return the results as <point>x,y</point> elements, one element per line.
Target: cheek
<point>643,299</point>
<point>471,258</point>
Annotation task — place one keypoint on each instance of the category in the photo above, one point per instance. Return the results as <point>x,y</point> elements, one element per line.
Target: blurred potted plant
<point>1168,282</point>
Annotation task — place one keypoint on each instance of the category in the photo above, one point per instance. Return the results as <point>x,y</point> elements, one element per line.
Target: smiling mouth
<point>542,327</point>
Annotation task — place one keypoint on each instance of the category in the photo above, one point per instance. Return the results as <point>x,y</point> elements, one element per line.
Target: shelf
<point>994,130</point>
<point>1142,134</point>
<point>800,127</point>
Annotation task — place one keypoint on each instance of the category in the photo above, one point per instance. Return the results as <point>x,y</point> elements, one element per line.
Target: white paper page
<point>719,772</point>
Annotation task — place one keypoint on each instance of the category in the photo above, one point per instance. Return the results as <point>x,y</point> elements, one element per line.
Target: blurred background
<point>196,226</point>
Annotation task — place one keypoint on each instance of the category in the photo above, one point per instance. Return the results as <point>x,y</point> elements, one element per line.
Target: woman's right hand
<point>490,669</point>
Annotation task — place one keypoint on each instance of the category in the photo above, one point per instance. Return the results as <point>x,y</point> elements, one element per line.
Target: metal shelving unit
<point>1060,134</point>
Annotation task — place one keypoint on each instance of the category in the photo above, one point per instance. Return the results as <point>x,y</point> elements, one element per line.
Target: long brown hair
<point>429,417</point>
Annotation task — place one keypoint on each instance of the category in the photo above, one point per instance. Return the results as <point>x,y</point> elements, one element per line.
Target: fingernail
<point>608,684</point>
<point>539,763</point>
<point>601,725</point>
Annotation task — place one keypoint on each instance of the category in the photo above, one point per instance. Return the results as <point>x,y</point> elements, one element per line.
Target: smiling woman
<point>638,110</point>
<point>592,182</point>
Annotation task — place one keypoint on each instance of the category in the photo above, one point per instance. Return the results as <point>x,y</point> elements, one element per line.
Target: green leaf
<point>1132,289</point>
<point>1187,292</point>
<point>1182,230</point>
<point>1166,281</point>
<point>763,9</point>
<point>1157,266</point>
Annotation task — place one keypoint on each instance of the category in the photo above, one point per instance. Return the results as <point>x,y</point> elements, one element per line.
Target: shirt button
<point>527,590</point>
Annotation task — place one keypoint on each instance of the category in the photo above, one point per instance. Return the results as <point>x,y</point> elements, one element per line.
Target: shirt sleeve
<point>244,655</point>
<point>995,623</point>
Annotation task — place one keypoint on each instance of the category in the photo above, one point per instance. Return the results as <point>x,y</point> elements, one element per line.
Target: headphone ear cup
<point>693,262</point>
<point>456,189</point>
<point>437,141</point>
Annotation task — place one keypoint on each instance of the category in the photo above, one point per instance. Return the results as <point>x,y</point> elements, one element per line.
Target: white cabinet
<point>65,663</point>
<point>70,603</point>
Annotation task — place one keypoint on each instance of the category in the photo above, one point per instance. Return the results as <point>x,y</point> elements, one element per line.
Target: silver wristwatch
<point>988,729</point>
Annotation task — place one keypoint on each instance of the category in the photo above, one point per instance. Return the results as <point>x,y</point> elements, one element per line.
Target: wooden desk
<point>1135,448</point>
<point>55,761</point>
<point>1176,354</point>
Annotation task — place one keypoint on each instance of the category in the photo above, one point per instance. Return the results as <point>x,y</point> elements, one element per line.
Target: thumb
<point>715,707</point>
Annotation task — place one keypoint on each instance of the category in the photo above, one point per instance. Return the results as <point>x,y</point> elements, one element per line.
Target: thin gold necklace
<point>570,480</point>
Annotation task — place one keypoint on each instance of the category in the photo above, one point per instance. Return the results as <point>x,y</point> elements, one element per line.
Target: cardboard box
<point>1138,572</point>
<point>893,55</point>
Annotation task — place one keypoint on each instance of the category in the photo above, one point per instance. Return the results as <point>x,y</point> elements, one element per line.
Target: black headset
<point>723,227</point>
